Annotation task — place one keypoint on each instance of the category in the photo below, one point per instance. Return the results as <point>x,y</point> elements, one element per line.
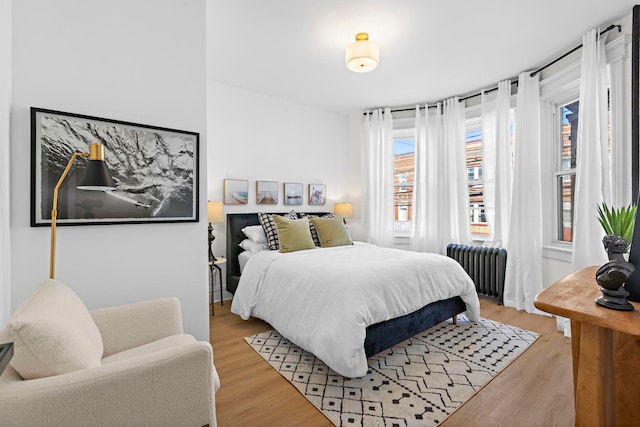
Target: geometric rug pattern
<point>418,382</point>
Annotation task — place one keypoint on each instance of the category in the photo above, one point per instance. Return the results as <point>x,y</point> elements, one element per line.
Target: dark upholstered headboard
<point>235,223</point>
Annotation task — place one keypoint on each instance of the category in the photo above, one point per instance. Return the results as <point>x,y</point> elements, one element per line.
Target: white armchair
<point>149,372</point>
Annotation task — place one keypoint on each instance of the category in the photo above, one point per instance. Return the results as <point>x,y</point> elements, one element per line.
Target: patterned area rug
<point>419,382</point>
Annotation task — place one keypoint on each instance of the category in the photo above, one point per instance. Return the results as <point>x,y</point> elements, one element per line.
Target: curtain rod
<point>397,110</point>
<point>544,67</point>
<point>493,89</point>
<point>514,81</point>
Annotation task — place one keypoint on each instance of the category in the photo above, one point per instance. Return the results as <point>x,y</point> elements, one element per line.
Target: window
<point>477,218</point>
<point>565,174</point>
<point>565,177</point>
<point>559,95</point>
<point>403,175</point>
<point>404,149</point>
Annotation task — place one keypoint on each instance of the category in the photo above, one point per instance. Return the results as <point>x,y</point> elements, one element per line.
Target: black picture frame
<point>155,170</point>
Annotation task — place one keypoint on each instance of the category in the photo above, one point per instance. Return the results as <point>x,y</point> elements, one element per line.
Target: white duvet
<point>323,299</point>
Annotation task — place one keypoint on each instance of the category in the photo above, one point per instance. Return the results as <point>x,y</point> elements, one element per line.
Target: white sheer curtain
<point>456,190</point>
<point>497,161</point>
<point>441,195</point>
<point>423,239</point>
<point>524,261</point>
<point>429,210</point>
<point>5,107</point>
<point>620,142</point>
<point>377,155</point>
<point>593,183</point>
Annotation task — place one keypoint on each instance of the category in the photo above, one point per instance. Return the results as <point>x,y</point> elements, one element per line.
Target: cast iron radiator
<point>485,266</point>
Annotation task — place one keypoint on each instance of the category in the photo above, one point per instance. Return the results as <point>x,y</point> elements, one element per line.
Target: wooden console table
<point>606,351</point>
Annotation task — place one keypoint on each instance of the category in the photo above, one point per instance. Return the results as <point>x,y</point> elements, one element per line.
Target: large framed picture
<point>155,170</point>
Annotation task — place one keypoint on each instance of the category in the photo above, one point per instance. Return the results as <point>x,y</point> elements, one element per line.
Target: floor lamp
<point>96,177</point>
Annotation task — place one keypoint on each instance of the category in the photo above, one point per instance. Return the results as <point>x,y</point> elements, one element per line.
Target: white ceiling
<point>429,49</point>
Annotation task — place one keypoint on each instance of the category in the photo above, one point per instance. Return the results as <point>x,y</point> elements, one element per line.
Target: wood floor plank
<point>535,390</point>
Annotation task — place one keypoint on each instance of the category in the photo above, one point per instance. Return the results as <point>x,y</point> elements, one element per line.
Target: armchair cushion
<point>53,333</point>
<point>127,326</point>
<point>152,347</point>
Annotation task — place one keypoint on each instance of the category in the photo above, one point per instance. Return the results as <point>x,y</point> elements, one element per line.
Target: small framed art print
<point>292,193</point>
<point>317,194</point>
<point>266,192</point>
<point>236,191</point>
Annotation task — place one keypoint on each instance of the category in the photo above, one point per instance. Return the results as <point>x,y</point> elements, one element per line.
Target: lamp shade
<point>96,175</point>
<point>214,212</point>
<point>363,55</point>
<point>345,210</point>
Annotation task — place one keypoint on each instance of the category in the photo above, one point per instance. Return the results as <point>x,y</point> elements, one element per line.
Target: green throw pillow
<point>332,232</point>
<point>294,234</point>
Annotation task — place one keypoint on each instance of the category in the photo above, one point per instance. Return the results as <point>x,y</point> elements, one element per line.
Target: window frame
<point>558,171</point>
<point>403,128</point>
<point>559,85</point>
<point>553,99</point>
<point>473,122</point>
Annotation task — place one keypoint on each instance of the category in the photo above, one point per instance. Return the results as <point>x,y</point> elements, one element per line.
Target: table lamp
<point>345,210</point>
<point>215,214</point>
<point>96,178</point>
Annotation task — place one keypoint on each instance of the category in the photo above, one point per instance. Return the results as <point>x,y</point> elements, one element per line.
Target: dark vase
<point>612,276</point>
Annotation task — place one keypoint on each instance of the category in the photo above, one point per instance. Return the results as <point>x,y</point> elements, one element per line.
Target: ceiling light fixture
<point>363,55</point>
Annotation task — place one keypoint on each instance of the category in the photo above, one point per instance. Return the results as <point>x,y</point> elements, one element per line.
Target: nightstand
<point>214,267</point>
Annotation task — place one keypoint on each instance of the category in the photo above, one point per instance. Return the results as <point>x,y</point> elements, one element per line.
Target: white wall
<point>5,107</point>
<point>257,137</point>
<point>128,60</point>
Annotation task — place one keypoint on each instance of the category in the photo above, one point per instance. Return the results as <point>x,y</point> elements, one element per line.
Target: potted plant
<point>617,222</point>
<point>618,225</point>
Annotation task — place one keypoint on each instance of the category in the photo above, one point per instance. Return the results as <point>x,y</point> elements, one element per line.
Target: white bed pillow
<point>251,246</point>
<point>53,333</point>
<point>255,233</point>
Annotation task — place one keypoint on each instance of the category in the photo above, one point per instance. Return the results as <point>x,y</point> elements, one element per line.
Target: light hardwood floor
<point>535,390</point>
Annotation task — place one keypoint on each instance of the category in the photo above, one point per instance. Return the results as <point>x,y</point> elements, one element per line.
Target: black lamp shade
<point>96,177</point>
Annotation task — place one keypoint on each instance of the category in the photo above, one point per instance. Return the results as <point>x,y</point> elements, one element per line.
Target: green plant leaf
<point>618,221</point>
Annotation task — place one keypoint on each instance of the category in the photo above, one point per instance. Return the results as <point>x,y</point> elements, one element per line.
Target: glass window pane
<point>404,160</point>
<point>403,172</point>
<point>566,191</point>
<point>569,134</point>
<point>477,216</point>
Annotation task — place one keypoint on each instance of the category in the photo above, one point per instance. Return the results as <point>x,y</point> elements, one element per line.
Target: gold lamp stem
<point>54,211</point>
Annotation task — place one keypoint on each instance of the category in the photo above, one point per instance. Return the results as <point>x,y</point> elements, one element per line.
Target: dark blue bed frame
<point>380,336</point>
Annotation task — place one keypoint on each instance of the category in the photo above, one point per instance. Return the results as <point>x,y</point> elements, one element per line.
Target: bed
<point>345,356</point>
